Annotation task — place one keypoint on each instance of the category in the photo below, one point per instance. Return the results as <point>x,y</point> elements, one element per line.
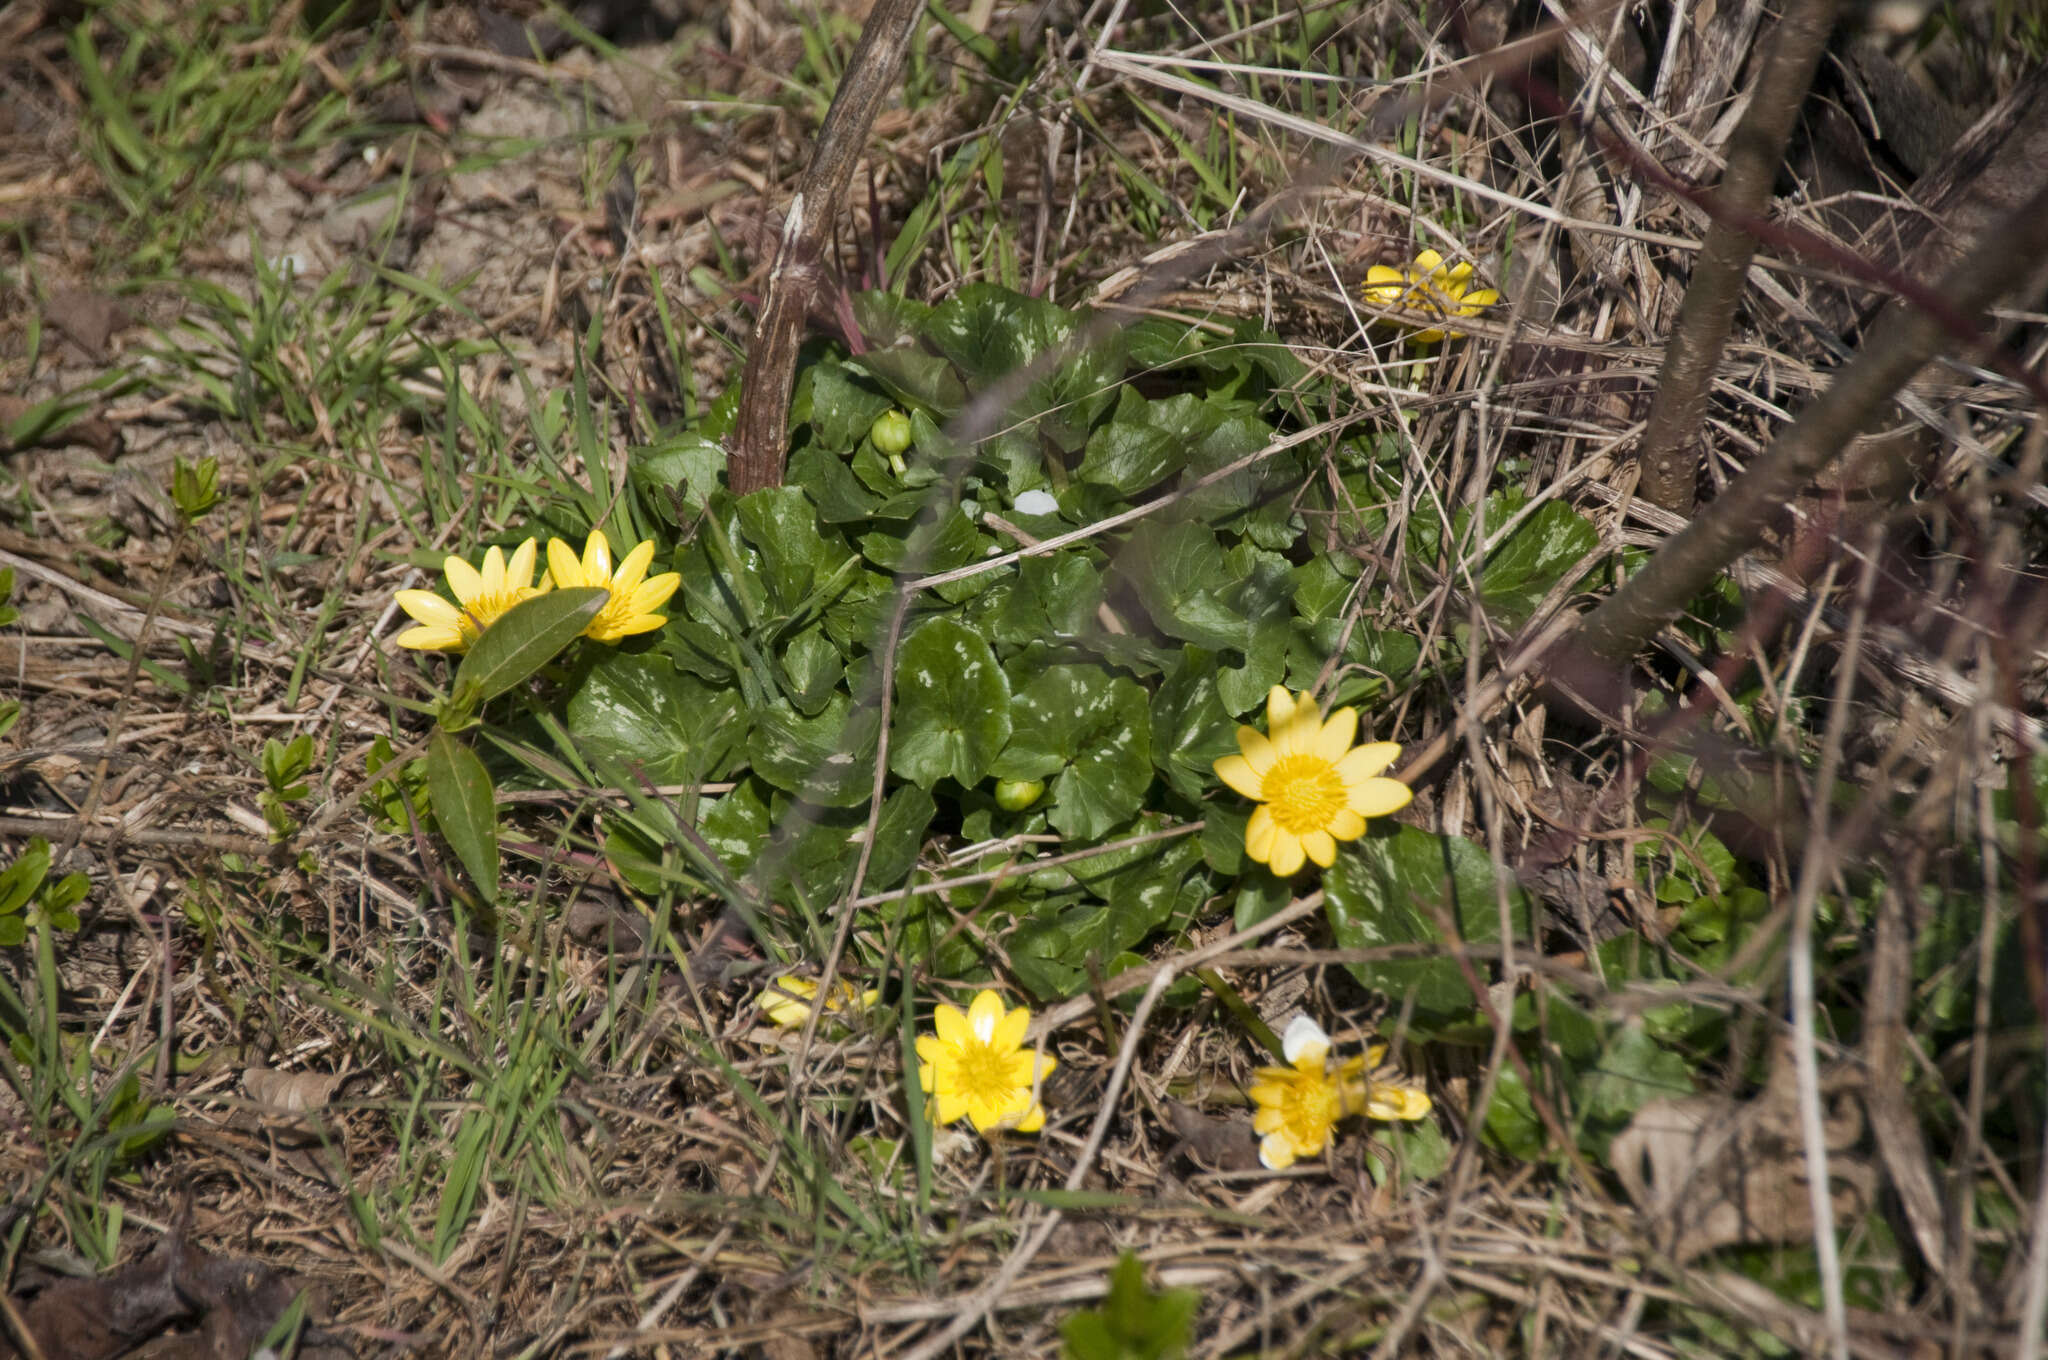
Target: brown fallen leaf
<point>234,1300</point>
<point>1214,1144</point>
<point>291,1092</point>
<point>1710,1172</point>
<point>87,319</point>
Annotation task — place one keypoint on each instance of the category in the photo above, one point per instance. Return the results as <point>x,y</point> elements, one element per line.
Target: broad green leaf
<point>915,379</point>
<point>811,670</point>
<point>1092,733</point>
<point>1134,1322</point>
<point>643,712</point>
<point>735,825</point>
<point>682,467</point>
<point>841,408</point>
<point>1394,886</point>
<point>1534,558</point>
<point>1633,1071</point>
<point>19,881</point>
<point>465,808</point>
<point>952,706</point>
<point>828,760</point>
<point>1179,573</point>
<point>782,527</point>
<point>832,487</point>
<point>528,636</point>
<point>1131,453</point>
<point>1191,730</point>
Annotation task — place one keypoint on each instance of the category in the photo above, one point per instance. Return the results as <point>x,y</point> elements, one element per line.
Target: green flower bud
<point>890,434</point>
<point>1014,795</point>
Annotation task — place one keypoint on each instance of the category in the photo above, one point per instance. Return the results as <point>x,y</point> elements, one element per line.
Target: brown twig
<point>1669,455</point>
<point>761,435</point>
<point>1739,519</point>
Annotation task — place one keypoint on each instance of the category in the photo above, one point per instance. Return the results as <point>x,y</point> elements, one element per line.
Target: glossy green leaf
<point>842,405</point>
<point>465,808</point>
<point>1191,730</point>
<point>782,527</point>
<point>1179,573</point>
<point>1130,453</point>
<point>527,637</point>
<point>1525,568</point>
<point>913,378</point>
<point>1134,1322</point>
<point>19,880</point>
<point>677,474</point>
<point>828,760</point>
<point>952,706</point>
<point>1398,885</point>
<point>641,711</point>
<point>1092,733</point>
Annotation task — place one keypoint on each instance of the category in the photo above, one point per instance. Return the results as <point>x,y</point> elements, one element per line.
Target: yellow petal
<point>1276,1151</point>
<point>1280,706</point>
<point>654,592</point>
<point>432,640</point>
<point>1371,759</point>
<point>428,608</point>
<point>1340,729</point>
<point>1346,825</point>
<point>597,559</point>
<point>1267,1118</point>
<point>984,1015</point>
<point>1385,276</point>
<point>494,571</point>
<point>1378,797</point>
<point>1259,754</point>
<point>633,570</point>
<point>1236,771</point>
<point>1287,855</point>
<point>952,1027</point>
<point>1390,1102</point>
<point>1009,1031</point>
<point>564,569</point>
<point>930,1049</point>
<point>1259,834</point>
<point>1031,1121</point>
<point>1477,298</point>
<point>519,571</point>
<point>1427,262</point>
<point>1320,847</point>
<point>463,581</point>
<point>953,1106</point>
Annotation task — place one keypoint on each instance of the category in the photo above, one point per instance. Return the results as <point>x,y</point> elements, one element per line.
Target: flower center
<point>1310,1108</point>
<point>984,1073</point>
<point>1304,792</point>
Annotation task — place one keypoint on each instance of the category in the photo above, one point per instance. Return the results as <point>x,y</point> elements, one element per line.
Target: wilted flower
<point>976,1066</point>
<point>634,597</point>
<point>482,597</point>
<point>789,1000</point>
<point>1299,1105</point>
<point>1314,789</point>
<point>1431,289</point>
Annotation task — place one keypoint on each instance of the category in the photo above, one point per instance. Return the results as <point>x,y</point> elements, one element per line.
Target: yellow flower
<point>1430,287</point>
<point>789,1000</point>
<point>1314,789</point>
<point>634,597</point>
<point>1386,1098</point>
<point>482,598</point>
<point>1299,1105</point>
<point>977,1066</point>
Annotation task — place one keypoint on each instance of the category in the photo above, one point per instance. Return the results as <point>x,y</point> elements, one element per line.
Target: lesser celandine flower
<point>1298,1106</point>
<point>481,598</point>
<point>1313,787</point>
<point>634,597</point>
<point>789,1000</point>
<point>976,1067</point>
<point>1431,289</point>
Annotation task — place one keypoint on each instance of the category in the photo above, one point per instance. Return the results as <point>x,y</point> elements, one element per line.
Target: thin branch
<point>1738,520</point>
<point>760,443</point>
<point>1669,456</point>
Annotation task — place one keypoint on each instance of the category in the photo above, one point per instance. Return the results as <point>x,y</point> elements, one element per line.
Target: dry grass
<point>554,1137</point>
